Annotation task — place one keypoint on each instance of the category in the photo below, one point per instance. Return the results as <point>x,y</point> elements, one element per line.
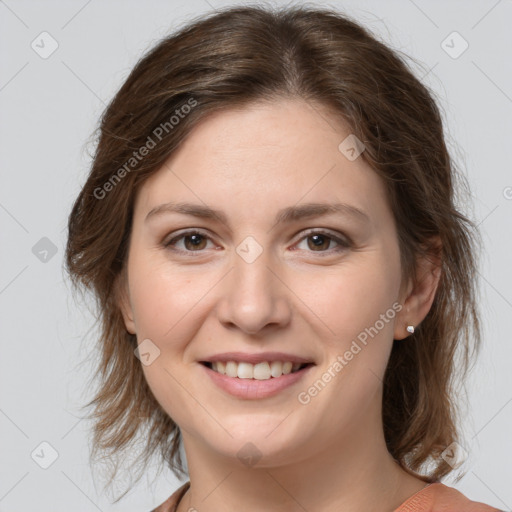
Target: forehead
<point>265,157</point>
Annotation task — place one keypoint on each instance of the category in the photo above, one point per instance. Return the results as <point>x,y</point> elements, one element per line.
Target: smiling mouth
<point>260,371</point>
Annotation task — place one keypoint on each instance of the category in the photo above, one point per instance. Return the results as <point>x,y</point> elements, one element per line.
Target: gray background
<point>49,108</point>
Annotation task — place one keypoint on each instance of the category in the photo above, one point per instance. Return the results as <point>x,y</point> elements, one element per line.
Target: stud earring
<point>410,328</point>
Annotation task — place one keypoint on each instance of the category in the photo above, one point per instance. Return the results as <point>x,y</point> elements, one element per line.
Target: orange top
<point>435,497</point>
<point>438,497</point>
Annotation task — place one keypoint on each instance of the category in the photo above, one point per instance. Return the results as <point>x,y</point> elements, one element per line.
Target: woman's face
<point>260,281</point>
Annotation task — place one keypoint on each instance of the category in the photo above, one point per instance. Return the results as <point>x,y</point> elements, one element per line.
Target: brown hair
<point>232,58</point>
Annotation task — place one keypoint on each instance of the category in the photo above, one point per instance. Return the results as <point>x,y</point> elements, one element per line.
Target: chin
<point>262,444</point>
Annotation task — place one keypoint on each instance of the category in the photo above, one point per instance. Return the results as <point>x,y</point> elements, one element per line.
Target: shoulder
<point>169,505</point>
<point>438,497</point>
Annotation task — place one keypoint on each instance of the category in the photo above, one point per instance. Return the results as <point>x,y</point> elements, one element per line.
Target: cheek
<point>162,298</point>
<point>163,304</point>
<point>355,306</point>
<point>351,298</point>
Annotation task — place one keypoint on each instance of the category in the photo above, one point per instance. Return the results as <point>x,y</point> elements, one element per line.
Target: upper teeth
<point>260,371</point>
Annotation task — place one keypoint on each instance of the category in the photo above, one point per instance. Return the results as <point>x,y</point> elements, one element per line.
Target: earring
<point>410,328</point>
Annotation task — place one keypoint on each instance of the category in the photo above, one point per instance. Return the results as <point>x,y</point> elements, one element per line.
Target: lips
<point>243,357</point>
<point>255,375</point>
<point>257,386</point>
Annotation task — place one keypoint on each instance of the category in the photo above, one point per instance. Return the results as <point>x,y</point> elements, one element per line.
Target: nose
<point>254,297</point>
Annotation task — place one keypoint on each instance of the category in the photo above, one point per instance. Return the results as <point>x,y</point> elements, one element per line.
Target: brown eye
<point>318,242</point>
<point>193,241</point>
<point>321,242</point>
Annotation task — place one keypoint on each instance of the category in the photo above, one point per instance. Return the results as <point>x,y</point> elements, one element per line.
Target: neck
<point>352,473</point>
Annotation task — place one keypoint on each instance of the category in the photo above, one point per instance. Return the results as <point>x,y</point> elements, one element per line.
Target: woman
<point>282,276</point>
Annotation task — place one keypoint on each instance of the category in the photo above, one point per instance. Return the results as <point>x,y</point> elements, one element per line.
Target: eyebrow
<point>289,214</point>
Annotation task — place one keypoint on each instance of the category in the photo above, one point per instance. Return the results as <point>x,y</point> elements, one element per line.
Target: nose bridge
<point>253,297</point>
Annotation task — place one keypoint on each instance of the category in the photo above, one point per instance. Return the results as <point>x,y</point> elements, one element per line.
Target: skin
<point>329,454</point>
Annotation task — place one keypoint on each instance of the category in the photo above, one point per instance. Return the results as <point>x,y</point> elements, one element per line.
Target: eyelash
<point>343,243</point>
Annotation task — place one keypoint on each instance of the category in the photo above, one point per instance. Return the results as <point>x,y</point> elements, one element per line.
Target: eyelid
<point>321,231</point>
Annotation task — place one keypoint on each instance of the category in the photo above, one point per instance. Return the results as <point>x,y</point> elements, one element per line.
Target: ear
<point>123,301</point>
<point>419,294</point>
